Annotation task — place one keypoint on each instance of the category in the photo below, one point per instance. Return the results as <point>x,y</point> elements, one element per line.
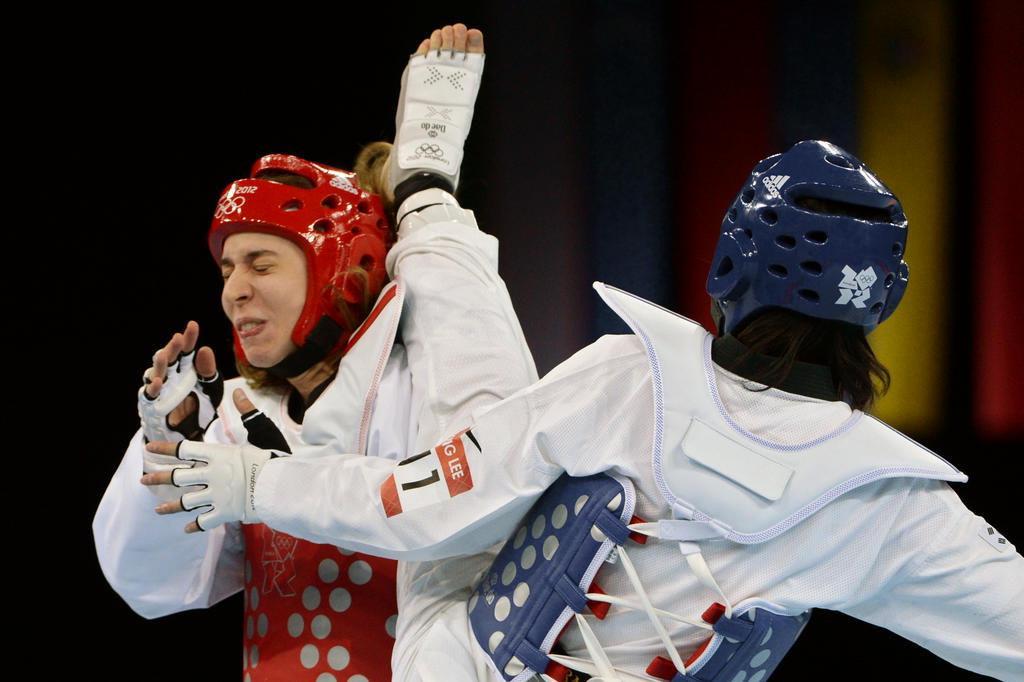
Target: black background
<point>163,116</point>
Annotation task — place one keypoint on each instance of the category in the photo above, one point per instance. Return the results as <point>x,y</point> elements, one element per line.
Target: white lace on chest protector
<point>726,482</point>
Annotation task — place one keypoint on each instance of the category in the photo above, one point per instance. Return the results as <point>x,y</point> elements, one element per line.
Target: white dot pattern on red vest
<point>315,611</point>
<point>360,572</point>
<point>391,626</point>
<point>328,570</point>
<point>340,599</point>
<point>338,657</point>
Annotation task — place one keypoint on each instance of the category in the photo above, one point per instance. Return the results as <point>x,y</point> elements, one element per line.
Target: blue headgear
<point>814,231</point>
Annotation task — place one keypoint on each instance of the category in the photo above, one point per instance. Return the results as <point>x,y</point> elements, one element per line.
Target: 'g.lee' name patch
<point>417,481</point>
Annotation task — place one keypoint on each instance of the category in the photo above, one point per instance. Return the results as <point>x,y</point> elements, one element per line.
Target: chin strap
<point>320,342</point>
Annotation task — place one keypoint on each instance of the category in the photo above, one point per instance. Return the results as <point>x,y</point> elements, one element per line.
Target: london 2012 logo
<point>430,151</point>
<point>855,288</point>
<point>228,205</point>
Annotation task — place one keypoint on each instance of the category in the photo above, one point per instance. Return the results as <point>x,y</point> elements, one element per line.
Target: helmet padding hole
<point>811,267</point>
<point>816,237</point>
<point>778,270</point>
<point>840,161</point>
<point>834,207</point>
<point>323,225</point>
<point>291,205</point>
<point>286,178</point>
<point>809,295</point>
<point>724,267</point>
<point>768,217</point>
<point>786,241</point>
<point>747,196</point>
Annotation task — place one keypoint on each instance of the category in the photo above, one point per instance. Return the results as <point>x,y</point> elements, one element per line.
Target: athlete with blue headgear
<point>676,502</point>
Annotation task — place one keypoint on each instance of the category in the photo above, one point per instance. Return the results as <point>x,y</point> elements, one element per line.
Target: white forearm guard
<point>435,110</point>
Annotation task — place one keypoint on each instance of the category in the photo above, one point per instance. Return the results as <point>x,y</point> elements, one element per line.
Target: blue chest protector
<point>541,576</point>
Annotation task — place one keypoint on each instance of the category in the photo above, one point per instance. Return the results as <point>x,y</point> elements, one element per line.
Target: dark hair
<point>788,337</point>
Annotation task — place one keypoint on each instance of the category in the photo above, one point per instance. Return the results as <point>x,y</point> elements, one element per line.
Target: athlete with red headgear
<point>306,251</point>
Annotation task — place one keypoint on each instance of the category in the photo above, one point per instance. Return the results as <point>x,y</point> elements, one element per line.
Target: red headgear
<point>339,227</point>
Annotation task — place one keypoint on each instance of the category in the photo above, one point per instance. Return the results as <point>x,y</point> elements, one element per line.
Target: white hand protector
<point>435,110</point>
<point>229,476</point>
<point>181,380</point>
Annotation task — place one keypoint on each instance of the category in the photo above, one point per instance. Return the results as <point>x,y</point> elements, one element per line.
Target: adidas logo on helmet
<point>774,183</point>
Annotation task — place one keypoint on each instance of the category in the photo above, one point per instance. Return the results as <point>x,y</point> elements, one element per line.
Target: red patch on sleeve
<point>455,465</point>
<point>389,497</point>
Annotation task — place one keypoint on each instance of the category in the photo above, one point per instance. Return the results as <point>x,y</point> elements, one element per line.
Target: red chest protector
<point>315,612</point>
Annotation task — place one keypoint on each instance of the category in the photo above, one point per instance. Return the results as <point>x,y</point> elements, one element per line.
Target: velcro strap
<point>612,526</point>
<point>574,597</point>
<point>733,628</point>
<point>533,657</point>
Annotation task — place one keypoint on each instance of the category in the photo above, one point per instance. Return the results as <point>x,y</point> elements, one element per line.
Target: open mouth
<point>250,328</point>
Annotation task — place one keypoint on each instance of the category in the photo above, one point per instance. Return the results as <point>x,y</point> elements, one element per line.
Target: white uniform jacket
<point>901,553</point>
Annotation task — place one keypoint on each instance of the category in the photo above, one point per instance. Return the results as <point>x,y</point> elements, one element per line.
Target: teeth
<point>247,326</point>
